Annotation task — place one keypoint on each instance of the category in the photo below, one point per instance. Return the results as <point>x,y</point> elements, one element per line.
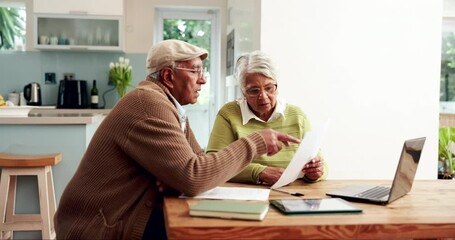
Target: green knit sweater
<point>228,127</point>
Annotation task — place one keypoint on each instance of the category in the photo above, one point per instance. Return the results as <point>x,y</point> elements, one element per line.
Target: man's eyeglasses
<point>200,71</point>
<point>255,91</point>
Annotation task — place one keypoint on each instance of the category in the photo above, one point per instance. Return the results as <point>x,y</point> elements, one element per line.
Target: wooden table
<point>428,211</point>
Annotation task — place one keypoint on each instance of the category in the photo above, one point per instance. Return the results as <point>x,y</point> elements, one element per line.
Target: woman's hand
<point>270,175</point>
<point>314,169</point>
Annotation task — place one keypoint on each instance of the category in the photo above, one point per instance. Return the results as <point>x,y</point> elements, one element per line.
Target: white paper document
<point>307,150</point>
<point>236,193</point>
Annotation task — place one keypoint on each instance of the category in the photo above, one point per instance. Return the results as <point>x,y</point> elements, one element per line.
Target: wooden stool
<point>21,165</point>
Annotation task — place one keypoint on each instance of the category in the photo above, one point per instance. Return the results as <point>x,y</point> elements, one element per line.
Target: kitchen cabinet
<point>89,7</point>
<point>78,32</point>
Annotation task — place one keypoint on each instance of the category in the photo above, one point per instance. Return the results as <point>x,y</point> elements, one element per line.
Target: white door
<point>202,114</point>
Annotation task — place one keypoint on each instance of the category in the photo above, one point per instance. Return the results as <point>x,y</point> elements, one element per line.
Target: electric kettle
<point>32,94</point>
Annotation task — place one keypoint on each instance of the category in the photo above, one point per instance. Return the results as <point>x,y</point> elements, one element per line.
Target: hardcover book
<point>230,209</point>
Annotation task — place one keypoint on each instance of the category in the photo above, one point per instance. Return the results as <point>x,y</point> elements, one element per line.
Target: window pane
<point>447,86</point>
<point>196,32</point>
<point>12,26</point>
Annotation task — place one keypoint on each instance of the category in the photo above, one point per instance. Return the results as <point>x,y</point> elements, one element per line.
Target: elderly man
<point>147,138</point>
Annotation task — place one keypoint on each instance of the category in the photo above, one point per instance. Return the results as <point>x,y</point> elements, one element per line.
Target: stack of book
<point>230,209</point>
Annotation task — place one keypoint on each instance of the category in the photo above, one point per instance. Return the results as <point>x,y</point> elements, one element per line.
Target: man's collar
<point>182,113</point>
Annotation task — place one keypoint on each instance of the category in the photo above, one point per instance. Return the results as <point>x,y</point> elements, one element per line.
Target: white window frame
<point>215,58</point>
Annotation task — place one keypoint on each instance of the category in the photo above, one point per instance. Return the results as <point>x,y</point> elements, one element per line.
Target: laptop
<point>402,182</point>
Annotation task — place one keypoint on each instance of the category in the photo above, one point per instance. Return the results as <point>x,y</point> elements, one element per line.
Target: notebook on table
<point>230,209</point>
<point>402,182</point>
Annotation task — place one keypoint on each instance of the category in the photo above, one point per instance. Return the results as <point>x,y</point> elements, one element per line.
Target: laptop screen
<point>407,167</point>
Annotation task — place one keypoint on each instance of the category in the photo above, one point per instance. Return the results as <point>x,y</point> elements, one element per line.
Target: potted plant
<point>120,75</point>
<point>446,159</point>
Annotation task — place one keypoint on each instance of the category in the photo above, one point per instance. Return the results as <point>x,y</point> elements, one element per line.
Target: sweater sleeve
<point>156,142</point>
<point>250,174</point>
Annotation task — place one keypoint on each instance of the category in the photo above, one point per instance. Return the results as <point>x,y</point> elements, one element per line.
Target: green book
<point>230,209</point>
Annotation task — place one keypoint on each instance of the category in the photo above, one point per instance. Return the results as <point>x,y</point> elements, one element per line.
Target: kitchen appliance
<point>72,94</point>
<point>32,94</point>
<point>14,98</point>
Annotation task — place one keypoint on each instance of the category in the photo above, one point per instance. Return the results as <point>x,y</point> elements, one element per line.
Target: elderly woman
<point>262,108</point>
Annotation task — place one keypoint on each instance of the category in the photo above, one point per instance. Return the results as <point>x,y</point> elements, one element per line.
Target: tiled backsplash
<point>21,68</point>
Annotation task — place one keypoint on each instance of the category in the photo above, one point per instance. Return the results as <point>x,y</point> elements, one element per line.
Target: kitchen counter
<point>43,131</point>
<point>64,110</point>
<point>58,116</point>
<point>54,118</point>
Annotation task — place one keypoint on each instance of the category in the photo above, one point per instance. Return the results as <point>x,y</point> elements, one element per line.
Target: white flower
<point>120,74</point>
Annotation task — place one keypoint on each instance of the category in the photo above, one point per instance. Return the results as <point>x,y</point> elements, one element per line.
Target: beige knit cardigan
<point>113,191</point>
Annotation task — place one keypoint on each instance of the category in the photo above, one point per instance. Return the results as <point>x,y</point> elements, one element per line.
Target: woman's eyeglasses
<point>200,71</point>
<point>255,91</point>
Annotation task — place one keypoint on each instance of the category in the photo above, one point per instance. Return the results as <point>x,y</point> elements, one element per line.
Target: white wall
<point>244,18</point>
<point>140,17</point>
<point>372,67</point>
<point>448,8</point>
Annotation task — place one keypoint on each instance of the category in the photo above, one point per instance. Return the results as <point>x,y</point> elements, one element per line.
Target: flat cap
<point>166,52</point>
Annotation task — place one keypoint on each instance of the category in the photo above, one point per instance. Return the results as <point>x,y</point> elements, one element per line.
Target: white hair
<point>255,62</point>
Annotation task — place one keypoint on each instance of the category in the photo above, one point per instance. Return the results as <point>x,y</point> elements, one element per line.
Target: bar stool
<point>27,165</point>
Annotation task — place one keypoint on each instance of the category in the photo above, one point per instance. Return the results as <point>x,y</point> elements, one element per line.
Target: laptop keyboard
<point>377,192</point>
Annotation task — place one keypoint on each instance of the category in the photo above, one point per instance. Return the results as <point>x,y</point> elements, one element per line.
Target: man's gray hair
<point>255,62</point>
<point>156,75</point>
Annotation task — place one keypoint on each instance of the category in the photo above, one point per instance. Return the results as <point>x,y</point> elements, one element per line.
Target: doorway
<point>200,27</point>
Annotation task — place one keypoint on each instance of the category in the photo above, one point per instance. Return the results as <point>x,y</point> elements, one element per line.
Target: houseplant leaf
<point>11,25</point>
<point>446,136</point>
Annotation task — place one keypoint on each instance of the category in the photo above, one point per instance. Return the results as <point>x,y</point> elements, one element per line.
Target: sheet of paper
<point>307,150</point>
<point>236,193</point>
